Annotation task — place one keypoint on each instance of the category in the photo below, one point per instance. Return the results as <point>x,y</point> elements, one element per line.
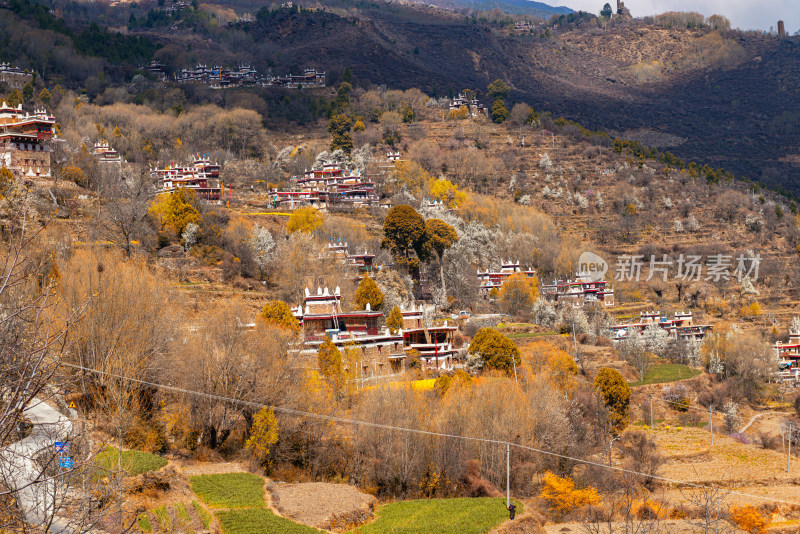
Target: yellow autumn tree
<point>749,519</point>
<point>73,173</point>
<point>562,497</point>
<point>305,219</point>
<point>329,359</point>
<point>518,292</point>
<point>395,320</point>
<point>263,433</point>
<point>717,343</point>
<point>543,357</point>
<point>174,211</point>
<point>458,114</point>
<point>280,314</point>
<point>368,292</point>
<point>448,192</point>
<point>6,181</point>
<point>412,175</point>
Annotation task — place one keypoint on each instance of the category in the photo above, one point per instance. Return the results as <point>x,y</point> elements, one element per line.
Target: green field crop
<point>668,372</point>
<point>229,490</point>
<point>442,516</point>
<point>134,462</point>
<point>259,521</point>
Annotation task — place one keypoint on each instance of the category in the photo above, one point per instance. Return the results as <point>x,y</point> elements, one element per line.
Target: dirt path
<point>750,422</point>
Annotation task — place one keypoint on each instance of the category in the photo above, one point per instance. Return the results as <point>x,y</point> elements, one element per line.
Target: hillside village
<point>409,313</point>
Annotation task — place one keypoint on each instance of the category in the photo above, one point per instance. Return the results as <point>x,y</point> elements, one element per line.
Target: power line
<point>356,422</point>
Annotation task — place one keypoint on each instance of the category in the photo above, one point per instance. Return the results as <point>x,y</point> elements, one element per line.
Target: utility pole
<point>651,412</point>
<point>711,423</point>
<point>508,475</point>
<point>514,362</point>
<point>574,341</point>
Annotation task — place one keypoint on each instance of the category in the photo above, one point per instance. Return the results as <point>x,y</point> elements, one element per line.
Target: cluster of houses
<point>329,186</point>
<point>24,137</point>
<point>580,291</point>
<point>221,77</point>
<point>494,279</point>
<point>202,176</point>
<point>680,328</point>
<point>474,108</point>
<point>379,351</point>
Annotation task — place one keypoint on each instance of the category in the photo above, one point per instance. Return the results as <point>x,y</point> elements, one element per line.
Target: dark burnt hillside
<point>741,115</point>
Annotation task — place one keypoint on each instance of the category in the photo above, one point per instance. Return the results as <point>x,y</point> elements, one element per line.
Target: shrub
<point>677,397</point>
<point>641,454</point>
<point>562,497</point>
<point>749,519</point>
<point>278,313</point>
<point>495,349</point>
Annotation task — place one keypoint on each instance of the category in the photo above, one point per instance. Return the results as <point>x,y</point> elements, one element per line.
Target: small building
<point>434,343</point>
<point>105,154</point>
<point>380,352</point>
<point>221,77</point>
<point>494,279</point>
<point>24,137</point>
<point>790,350</point>
<point>473,106</point>
<point>435,204</point>
<point>14,77</point>
<point>156,70</point>
<point>364,264</point>
<point>310,79</point>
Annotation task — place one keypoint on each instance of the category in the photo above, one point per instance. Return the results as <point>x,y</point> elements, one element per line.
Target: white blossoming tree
<point>263,246</point>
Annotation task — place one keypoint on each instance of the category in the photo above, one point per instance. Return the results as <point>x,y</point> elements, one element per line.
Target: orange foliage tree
<point>749,519</point>
<point>279,313</point>
<point>518,292</point>
<point>544,357</point>
<point>305,219</point>
<point>562,497</point>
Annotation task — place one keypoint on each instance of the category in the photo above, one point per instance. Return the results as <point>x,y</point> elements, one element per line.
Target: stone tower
<point>781,29</point>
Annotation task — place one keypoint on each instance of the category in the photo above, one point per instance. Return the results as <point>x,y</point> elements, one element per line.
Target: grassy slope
<point>442,516</point>
<point>134,462</point>
<point>668,372</point>
<point>229,490</point>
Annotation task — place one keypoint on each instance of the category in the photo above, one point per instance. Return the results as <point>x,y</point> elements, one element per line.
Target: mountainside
<point>729,100</point>
<point>723,98</point>
<point>520,7</point>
